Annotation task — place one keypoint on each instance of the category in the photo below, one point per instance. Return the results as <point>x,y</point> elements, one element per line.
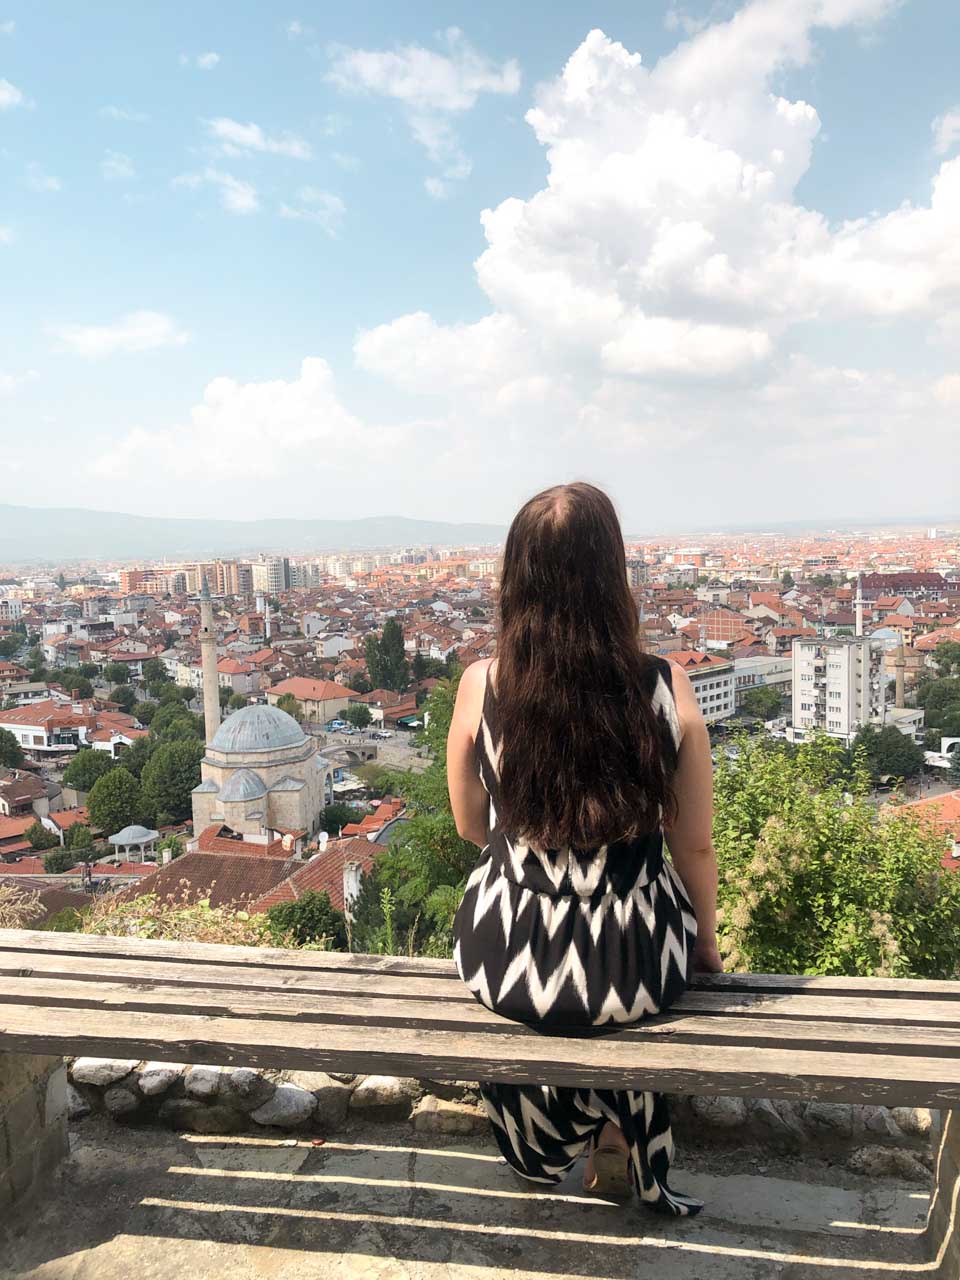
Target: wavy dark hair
<point>585,758</point>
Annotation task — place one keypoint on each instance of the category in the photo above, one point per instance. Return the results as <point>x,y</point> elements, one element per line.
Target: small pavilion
<point>134,839</point>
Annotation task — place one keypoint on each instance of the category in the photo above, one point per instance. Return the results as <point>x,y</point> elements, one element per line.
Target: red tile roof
<point>322,874</point>
<point>304,689</point>
<point>223,878</point>
<point>213,839</point>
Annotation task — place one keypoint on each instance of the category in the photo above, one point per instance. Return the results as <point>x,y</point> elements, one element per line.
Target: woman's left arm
<point>468,798</point>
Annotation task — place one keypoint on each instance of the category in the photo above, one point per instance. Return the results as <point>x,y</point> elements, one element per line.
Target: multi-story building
<point>762,671</point>
<point>10,609</point>
<point>838,686</point>
<point>712,680</point>
<point>270,575</point>
<point>636,572</point>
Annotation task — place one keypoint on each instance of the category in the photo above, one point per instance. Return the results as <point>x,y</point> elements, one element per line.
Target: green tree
<point>338,815</point>
<point>9,645</point>
<point>360,684</point>
<point>89,670</point>
<point>145,711</point>
<point>79,836</point>
<point>813,880</point>
<point>167,714</point>
<point>58,860</point>
<point>39,837</point>
<point>224,695</point>
<point>424,869</point>
<point>155,672</point>
<point>138,753</point>
<point>947,657</point>
<point>888,752</point>
<point>173,844</point>
<point>174,693</point>
<point>288,703</point>
<point>787,580</point>
<point>386,658</point>
<point>358,714</point>
<point>169,777</point>
<point>237,700</point>
<point>310,919</point>
<point>11,752</point>
<point>124,697</point>
<point>764,702</point>
<point>418,668</point>
<point>85,768</point>
<point>953,773</point>
<point>116,801</point>
<point>116,673</point>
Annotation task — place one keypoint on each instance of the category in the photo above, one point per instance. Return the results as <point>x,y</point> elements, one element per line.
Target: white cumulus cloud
<point>117,167</point>
<point>237,138</point>
<point>10,95</point>
<point>320,207</point>
<point>236,196</point>
<point>136,331</point>
<point>201,61</point>
<point>946,131</point>
<point>431,86</point>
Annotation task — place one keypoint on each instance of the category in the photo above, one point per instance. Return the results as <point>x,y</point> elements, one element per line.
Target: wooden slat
<point>891,1012</point>
<point>82,945</point>
<point>426,1015</point>
<point>746,1071</point>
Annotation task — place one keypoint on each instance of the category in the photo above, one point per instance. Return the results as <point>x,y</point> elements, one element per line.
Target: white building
<point>838,686</point>
<point>270,575</point>
<point>712,680</point>
<point>760,672</point>
<point>10,609</point>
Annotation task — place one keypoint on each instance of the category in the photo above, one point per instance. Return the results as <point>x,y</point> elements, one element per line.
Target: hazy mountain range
<point>69,533</point>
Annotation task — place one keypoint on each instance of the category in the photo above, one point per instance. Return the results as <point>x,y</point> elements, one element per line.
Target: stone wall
<point>33,1125</point>
<point>213,1100</point>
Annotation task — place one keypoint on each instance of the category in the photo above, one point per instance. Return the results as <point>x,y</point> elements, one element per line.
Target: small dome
<point>257,728</point>
<point>287,783</point>
<point>244,784</point>
<point>134,835</point>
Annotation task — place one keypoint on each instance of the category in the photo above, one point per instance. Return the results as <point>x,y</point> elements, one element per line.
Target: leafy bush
<point>311,918</point>
<point>57,861</point>
<point>179,919</point>
<point>812,880</point>
<point>40,838</point>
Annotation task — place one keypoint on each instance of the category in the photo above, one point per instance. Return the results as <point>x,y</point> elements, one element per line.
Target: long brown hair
<point>585,758</point>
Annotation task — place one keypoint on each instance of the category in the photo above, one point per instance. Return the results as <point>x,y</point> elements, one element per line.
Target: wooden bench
<point>862,1040</point>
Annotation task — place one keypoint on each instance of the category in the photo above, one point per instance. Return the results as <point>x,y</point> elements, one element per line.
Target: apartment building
<point>270,575</point>
<point>838,686</point>
<point>761,671</point>
<point>712,680</point>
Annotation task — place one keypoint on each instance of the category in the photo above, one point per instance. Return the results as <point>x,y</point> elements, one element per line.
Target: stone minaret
<point>208,658</point>
<point>900,664</point>
<point>859,607</point>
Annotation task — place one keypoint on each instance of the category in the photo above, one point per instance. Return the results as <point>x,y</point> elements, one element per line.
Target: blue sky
<point>705,302</point>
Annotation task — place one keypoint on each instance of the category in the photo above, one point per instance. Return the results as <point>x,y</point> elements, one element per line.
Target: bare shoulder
<point>475,676</point>
<point>679,677</point>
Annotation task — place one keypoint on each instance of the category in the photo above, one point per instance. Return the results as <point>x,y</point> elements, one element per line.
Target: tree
<point>86,767</point>
<point>237,700</point>
<point>338,815</point>
<point>386,658</point>
<point>225,695</point>
<point>288,703</point>
<point>358,714</point>
<point>39,837</point>
<point>172,844</point>
<point>947,657</point>
<point>787,580</point>
<point>58,860</point>
<point>138,753</point>
<point>953,773</point>
<point>814,881</point>
<point>360,684</point>
<point>169,777</point>
<point>116,673</point>
<point>89,670</point>
<point>888,752</point>
<point>174,693</point>
<point>11,752</point>
<point>79,836</point>
<point>9,645</point>
<point>124,697</point>
<point>116,801</point>
<point>145,711</point>
<point>312,918</point>
<point>155,672</point>
<point>764,702</point>
<point>418,667</point>
<point>169,714</point>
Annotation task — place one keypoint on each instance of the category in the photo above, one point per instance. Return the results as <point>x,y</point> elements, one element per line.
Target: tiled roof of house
<point>322,874</point>
<point>304,689</point>
<point>214,839</point>
<point>223,878</point>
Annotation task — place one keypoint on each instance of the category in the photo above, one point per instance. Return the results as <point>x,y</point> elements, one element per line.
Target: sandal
<point>611,1174</point>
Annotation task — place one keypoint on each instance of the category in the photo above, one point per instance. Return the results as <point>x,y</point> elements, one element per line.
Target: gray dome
<point>244,784</point>
<point>257,728</point>
<point>134,835</point>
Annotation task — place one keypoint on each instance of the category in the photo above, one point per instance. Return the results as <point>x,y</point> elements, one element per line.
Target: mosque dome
<point>257,728</point>
<point>243,784</point>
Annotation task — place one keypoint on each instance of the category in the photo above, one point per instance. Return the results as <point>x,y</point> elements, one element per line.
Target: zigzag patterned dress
<point>569,941</point>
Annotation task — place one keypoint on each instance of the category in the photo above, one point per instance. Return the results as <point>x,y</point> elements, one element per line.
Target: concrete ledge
<point>943,1222</point>
<point>33,1126</point>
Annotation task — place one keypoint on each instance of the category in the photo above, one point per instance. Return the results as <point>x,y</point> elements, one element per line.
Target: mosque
<point>261,776</point>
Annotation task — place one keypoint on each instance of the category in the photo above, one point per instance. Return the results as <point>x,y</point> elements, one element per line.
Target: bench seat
<point>866,1040</point>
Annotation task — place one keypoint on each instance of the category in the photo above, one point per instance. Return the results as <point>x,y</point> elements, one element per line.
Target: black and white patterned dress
<point>571,940</point>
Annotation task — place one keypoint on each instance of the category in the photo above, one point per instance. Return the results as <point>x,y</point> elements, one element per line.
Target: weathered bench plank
<point>733,1029</point>
<point>872,1009</point>
<point>618,1062</point>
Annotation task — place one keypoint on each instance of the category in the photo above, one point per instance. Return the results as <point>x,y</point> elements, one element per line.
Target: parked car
<point>383,733</point>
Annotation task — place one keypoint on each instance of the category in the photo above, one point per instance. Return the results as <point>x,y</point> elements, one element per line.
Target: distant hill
<point>30,534</point>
